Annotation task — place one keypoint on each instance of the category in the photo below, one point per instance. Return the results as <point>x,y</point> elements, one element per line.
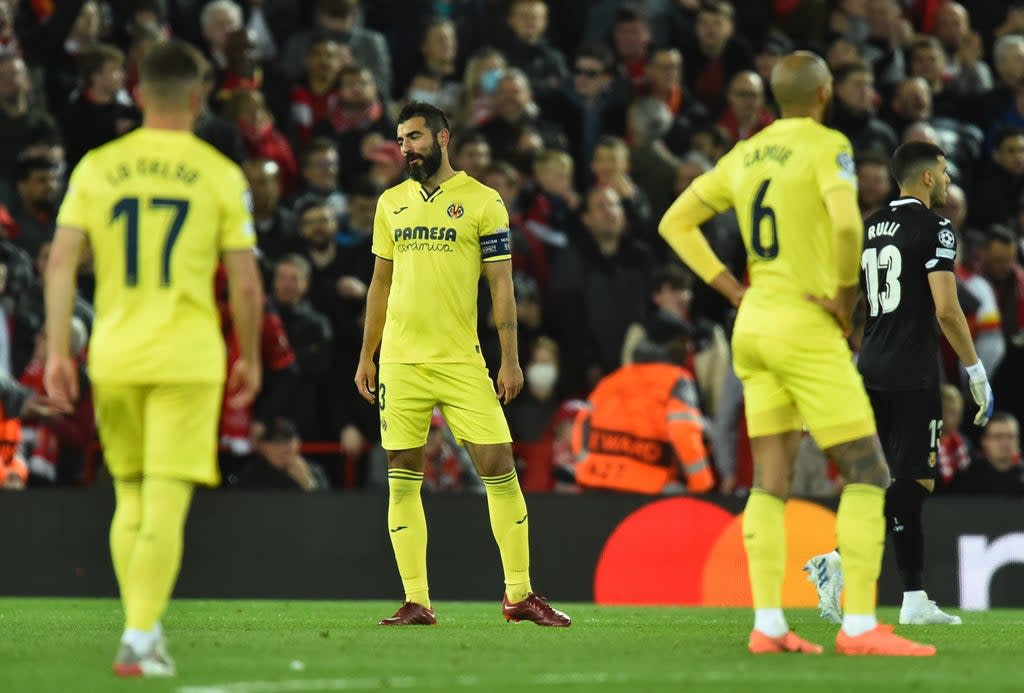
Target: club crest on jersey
<point>456,210</point>
<point>947,238</point>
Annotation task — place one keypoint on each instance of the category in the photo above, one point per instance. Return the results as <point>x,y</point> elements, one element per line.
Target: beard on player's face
<point>427,164</point>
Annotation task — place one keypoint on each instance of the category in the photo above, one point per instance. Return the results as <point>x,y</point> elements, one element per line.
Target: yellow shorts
<point>788,383</point>
<point>168,430</point>
<point>407,393</point>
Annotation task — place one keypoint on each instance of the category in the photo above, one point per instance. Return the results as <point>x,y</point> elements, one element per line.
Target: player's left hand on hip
<point>843,316</point>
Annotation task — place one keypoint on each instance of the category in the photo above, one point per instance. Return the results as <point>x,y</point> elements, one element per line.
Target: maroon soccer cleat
<point>534,608</point>
<point>411,614</point>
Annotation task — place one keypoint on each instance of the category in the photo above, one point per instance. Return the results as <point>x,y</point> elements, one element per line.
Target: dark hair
<point>846,70</point>
<point>673,275</point>
<point>26,166</point>
<point>1001,417</point>
<point>172,61</point>
<point>321,37</point>
<point>1005,133</point>
<point>630,12</point>
<point>316,145</point>
<point>338,9</point>
<point>92,60</point>
<point>434,117</point>
<point>999,233</point>
<point>364,186</point>
<point>598,52</point>
<point>719,7</point>
<point>308,202</point>
<point>908,159</point>
<point>872,157</point>
<point>466,138</point>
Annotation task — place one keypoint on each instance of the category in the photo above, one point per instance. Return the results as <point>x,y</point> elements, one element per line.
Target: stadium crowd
<point>588,118</point>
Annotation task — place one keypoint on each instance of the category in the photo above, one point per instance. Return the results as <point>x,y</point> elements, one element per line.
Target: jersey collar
<point>455,181</point>
<point>899,202</point>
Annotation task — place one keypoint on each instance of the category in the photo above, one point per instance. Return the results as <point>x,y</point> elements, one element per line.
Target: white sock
<point>771,622</point>
<point>858,624</point>
<point>141,641</point>
<point>914,598</point>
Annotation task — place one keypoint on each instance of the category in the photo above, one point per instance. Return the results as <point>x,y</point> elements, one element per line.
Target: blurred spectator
<point>276,233</point>
<point>38,191</point>
<point>853,111</point>
<point>320,174</point>
<point>483,73</point>
<point>440,48</point>
<point>218,20</point>
<point>248,110</point>
<point>309,333</point>
<point>888,35</point>
<point>771,49</point>
<point>338,18</point>
<point>654,165</point>
<point>716,54</point>
<point>530,241</point>
<point>525,47</point>
<point>74,27</point>
<point>1000,182</point>
<point>1000,106</point>
<point>471,154</point>
<point>360,115</point>
<point>841,52</point>
<point>928,61</point>
<point>745,113</point>
<point>847,20</point>
<point>642,431</point>
<point>357,233</point>
<point>874,183</point>
<point>911,103</point>
<point>611,168</point>
<point>317,227</point>
<point>515,112</point>
<point>1001,268</point>
<point>589,107</point>
<point>997,470</point>
<point>218,132</point>
<point>631,39</point>
<point>13,470</point>
<point>20,119</point>
<point>445,470</point>
<point>100,109</point>
<point>599,287</point>
<point>665,82</point>
<point>954,454</point>
<point>968,73</point>
<point>318,94</point>
<point>551,209</point>
<point>531,417</point>
<point>241,69</point>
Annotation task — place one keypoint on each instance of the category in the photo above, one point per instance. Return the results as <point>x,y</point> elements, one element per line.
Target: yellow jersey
<point>438,243</point>
<point>158,208</point>
<point>777,181</point>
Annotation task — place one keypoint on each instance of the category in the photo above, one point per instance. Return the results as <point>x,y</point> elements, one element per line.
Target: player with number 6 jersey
<point>794,190</point>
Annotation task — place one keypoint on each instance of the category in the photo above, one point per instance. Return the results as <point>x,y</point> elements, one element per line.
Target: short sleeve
<point>835,167</point>
<point>236,231</point>
<point>940,248</point>
<point>712,187</point>
<point>495,244</point>
<point>383,241</point>
<point>74,208</point>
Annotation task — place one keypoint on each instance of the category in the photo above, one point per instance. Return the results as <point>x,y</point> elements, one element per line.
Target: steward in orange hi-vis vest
<point>641,426</point>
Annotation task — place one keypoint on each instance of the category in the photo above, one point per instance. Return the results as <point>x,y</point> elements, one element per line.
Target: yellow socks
<point>764,536</point>
<point>511,528</point>
<point>408,528</point>
<point>860,530</point>
<point>155,560</point>
<point>124,529</point>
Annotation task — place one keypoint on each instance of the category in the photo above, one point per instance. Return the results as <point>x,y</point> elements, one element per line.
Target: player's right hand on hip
<point>366,380</point>
<point>981,391</point>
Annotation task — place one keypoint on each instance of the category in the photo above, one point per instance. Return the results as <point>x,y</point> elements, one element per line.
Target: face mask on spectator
<point>424,95</point>
<point>489,80</point>
<point>542,376</point>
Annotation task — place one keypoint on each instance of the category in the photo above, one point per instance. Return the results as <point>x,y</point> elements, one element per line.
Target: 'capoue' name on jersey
<point>440,234</point>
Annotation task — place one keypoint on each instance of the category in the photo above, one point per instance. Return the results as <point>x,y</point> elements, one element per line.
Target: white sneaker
<point>921,611</point>
<point>826,572</point>
<point>155,663</point>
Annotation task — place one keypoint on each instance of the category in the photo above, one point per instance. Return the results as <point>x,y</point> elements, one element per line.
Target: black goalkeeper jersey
<point>903,244</point>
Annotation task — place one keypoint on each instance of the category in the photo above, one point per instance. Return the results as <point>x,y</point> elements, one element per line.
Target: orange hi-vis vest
<point>642,422</point>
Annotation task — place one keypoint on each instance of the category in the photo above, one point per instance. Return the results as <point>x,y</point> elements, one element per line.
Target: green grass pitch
<point>265,646</point>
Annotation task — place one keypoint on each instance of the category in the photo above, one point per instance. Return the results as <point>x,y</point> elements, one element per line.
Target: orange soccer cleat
<point>789,642</point>
<point>534,608</point>
<point>411,614</point>
<point>881,641</point>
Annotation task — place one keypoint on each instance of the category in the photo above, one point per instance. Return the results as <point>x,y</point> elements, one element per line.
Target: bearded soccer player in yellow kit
<point>434,235</point>
<point>159,209</point>
<point>794,189</point>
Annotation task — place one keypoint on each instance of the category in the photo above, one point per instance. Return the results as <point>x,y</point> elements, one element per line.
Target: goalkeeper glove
<point>981,391</point>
